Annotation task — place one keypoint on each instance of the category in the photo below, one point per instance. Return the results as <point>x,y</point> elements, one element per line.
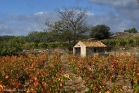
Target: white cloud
<point>133,4</point>
<point>125,14</point>
<point>89,13</point>
<point>14,24</point>
<point>40,13</point>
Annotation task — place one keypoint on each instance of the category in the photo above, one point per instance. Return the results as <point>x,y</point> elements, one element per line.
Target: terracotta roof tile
<point>93,43</point>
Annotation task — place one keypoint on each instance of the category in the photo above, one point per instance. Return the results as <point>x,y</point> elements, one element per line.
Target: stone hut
<point>89,48</point>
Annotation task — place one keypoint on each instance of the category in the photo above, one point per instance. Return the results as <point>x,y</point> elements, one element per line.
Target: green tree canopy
<point>37,37</point>
<point>100,32</point>
<point>132,30</point>
<point>6,38</point>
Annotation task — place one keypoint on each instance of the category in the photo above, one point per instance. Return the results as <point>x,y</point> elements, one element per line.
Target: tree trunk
<point>69,44</point>
<point>74,38</point>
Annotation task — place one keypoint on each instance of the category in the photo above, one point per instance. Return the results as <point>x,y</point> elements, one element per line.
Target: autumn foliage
<point>43,73</point>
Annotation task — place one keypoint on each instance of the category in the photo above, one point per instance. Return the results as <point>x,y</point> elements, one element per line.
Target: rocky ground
<point>124,35</point>
<point>74,82</point>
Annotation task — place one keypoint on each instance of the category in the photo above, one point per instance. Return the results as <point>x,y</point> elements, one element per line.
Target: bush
<point>10,48</point>
<point>30,45</point>
<point>133,41</point>
<point>52,45</point>
<point>42,45</point>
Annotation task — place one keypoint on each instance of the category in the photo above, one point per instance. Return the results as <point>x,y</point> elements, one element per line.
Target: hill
<point>124,35</point>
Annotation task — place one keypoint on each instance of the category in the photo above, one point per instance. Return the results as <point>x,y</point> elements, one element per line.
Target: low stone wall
<point>50,51</point>
<point>123,53</point>
<point>35,51</point>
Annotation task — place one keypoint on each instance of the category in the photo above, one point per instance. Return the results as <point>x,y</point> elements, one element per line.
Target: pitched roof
<point>93,43</point>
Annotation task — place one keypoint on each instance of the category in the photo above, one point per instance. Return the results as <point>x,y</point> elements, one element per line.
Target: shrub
<point>42,45</point>
<point>10,47</point>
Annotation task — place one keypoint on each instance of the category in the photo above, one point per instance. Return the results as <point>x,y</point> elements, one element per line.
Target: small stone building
<point>89,48</point>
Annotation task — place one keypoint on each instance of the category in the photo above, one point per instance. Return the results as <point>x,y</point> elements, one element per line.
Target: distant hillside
<point>124,35</point>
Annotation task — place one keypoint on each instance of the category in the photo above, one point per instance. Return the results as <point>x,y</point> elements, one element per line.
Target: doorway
<point>78,51</point>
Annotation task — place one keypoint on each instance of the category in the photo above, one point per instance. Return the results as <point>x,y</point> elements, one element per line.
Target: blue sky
<point>19,17</point>
<point>33,6</point>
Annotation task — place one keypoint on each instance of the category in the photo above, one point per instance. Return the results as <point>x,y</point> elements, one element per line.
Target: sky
<point>20,17</point>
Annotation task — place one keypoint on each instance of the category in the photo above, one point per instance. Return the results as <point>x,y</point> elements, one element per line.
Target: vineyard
<point>14,45</point>
<point>125,42</point>
<point>57,73</point>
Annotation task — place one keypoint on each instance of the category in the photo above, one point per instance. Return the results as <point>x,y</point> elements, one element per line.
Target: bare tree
<point>70,25</point>
<point>74,19</point>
